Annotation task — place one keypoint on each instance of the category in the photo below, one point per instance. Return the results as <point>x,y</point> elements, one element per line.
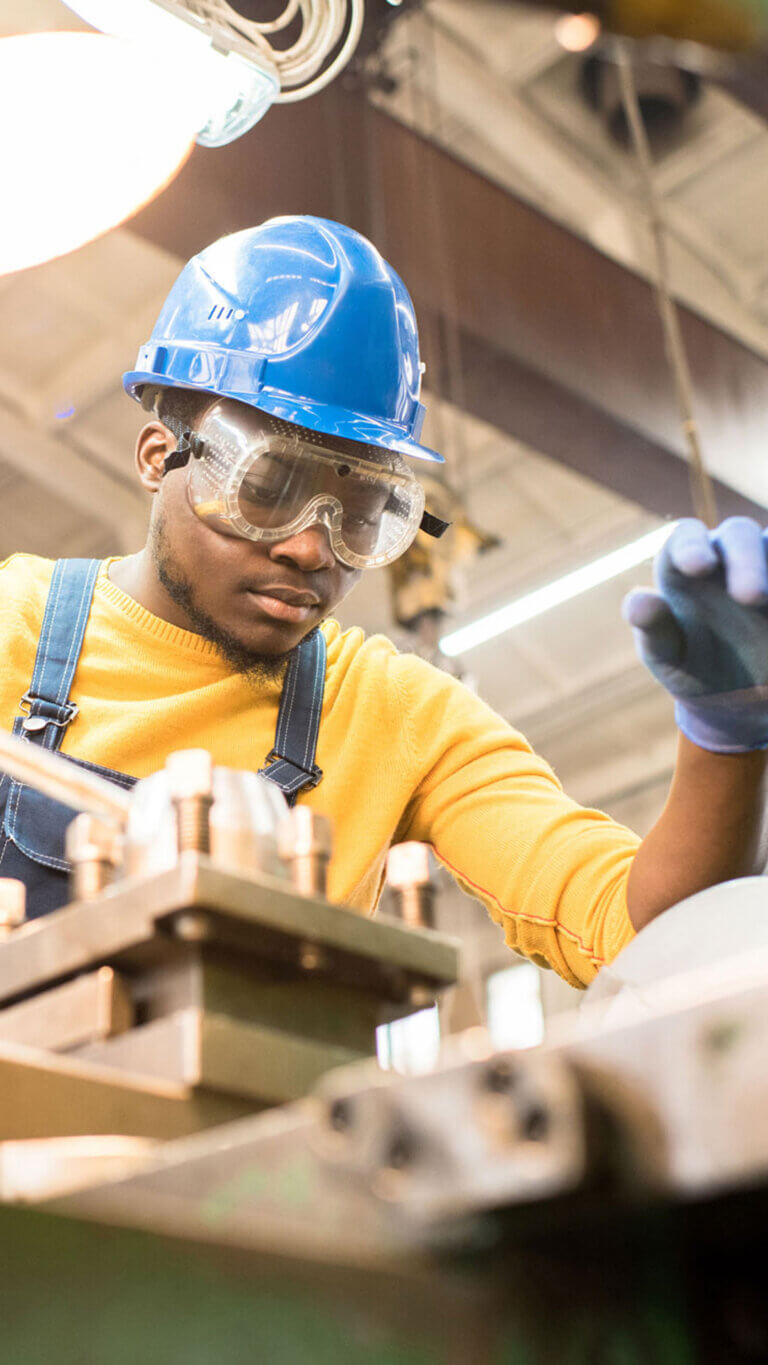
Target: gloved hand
<point>704,633</point>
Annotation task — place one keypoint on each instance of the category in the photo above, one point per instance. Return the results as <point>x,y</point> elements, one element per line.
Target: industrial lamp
<point>234,81</point>
<point>92,130</point>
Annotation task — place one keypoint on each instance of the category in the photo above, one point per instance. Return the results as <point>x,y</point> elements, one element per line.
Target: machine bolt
<point>408,873</point>
<point>91,848</point>
<point>421,997</point>
<point>13,905</point>
<point>193,926</point>
<point>190,779</point>
<point>305,843</point>
<point>312,957</point>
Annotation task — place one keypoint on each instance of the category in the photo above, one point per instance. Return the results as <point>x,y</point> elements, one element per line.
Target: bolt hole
<point>401,1151</point>
<point>340,1116</point>
<point>500,1078</point>
<point>534,1125</point>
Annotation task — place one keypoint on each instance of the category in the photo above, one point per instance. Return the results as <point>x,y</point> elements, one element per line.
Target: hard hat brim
<point>320,417</point>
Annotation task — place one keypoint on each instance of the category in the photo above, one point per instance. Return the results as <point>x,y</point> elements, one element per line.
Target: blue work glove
<point>704,633</point>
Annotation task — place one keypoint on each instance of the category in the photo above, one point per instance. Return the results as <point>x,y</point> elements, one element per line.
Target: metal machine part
<point>93,852</point>
<point>190,786</point>
<point>53,776</point>
<point>365,1171</point>
<point>45,1096</point>
<point>13,904</point>
<point>93,1006</point>
<point>409,875</point>
<point>696,933</point>
<point>235,985</point>
<point>232,815</point>
<point>305,846</point>
<point>674,1108</point>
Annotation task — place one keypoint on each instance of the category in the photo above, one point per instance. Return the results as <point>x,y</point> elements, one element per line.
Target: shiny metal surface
<point>93,851</point>
<point>62,781</point>
<point>216,1052</point>
<point>672,1109</point>
<point>132,921</point>
<point>93,1006</point>
<point>43,1095</point>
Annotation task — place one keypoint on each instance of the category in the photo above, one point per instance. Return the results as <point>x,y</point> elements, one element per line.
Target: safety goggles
<point>254,476</point>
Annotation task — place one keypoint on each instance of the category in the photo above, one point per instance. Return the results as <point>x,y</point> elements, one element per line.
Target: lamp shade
<point>91,129</point>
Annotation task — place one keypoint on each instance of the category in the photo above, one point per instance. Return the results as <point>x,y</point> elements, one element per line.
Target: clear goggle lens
<point>259,480</point>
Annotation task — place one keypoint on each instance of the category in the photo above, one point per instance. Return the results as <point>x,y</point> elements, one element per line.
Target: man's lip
<point>283,593</point>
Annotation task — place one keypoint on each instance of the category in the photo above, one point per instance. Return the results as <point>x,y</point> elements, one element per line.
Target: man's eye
<point>261,492</point>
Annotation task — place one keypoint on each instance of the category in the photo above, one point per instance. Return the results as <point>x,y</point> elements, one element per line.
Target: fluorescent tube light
<point>554,594</point>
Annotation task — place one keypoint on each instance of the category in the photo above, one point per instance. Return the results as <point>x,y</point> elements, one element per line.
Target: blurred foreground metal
<point>599,1199</point>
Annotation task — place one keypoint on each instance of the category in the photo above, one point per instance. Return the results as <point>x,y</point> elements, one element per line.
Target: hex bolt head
<point>89,838</point>
<point>305,843</point>
<point>190,774</point>
<point>13,904</point>
<point>190,780</point>
<point>305,834</point>
<point>408,873</point>
<point>92,847</point>
<point>408,865</point>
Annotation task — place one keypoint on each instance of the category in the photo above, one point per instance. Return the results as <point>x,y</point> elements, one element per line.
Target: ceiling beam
<point>571,333</point>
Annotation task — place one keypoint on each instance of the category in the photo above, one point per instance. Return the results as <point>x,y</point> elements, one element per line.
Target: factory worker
<point>282,450</point>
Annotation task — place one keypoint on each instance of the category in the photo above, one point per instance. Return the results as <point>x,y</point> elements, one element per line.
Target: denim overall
<point>33,826</point>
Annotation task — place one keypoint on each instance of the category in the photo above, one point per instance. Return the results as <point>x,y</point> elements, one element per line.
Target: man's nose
<point>309,549</point>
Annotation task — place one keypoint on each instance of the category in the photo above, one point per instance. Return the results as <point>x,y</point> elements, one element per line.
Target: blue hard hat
<point>302,318</point>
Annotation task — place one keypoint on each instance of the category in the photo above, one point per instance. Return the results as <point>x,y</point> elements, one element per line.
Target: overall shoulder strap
<point>47,705</point>
<point>291,764</point>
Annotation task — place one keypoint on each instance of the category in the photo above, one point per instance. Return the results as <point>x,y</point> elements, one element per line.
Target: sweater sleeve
<point>552,873</point>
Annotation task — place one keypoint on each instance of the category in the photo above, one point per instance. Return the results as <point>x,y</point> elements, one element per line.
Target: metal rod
<point>702,488</point>
<point>62,781</point>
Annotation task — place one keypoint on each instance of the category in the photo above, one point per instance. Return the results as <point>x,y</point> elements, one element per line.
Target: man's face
<point>263,598</point>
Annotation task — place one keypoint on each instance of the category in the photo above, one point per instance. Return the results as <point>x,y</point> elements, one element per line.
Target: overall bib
<point>34,826</point>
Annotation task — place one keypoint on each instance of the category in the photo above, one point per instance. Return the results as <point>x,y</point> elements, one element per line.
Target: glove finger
<point>740,542</point>
<point>689,550</point>
<point>658,633</point>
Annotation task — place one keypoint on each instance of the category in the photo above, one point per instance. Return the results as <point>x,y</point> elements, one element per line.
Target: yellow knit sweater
<point>407,753</point>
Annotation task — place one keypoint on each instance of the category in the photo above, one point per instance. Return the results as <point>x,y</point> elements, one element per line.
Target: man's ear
<point>154,442</point>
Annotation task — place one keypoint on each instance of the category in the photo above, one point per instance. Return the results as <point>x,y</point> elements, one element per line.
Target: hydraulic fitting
<point>408,873</point>
<point>305,844</point>
<point>190,781</point>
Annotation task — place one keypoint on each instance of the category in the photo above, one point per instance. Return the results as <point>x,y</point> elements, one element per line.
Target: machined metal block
<point>44,1095</point>
<point>138,923</point>
<point>215,1052</point>
<point>93,1006</point>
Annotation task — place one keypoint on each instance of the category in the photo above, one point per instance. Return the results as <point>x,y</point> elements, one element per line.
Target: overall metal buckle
<point>34,724</point>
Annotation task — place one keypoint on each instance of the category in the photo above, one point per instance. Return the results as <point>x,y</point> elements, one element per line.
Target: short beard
<point>257,668</point>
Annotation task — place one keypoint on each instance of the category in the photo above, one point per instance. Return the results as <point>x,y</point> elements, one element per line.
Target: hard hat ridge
<point>301,318</point>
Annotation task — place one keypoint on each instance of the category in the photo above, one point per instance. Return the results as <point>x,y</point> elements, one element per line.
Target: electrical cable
<point>702,490</point>
<point>301,67</point>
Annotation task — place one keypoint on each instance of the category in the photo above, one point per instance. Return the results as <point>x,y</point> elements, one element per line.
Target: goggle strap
<point>433,526</point>
<point>188,443</point>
